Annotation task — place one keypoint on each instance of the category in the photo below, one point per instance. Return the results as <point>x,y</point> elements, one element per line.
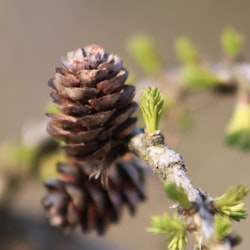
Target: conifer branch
<point>169,165</point>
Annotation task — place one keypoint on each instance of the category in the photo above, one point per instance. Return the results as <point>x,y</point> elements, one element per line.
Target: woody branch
<point>168,164</point>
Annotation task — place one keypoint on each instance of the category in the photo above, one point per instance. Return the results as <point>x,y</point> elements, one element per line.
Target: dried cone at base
<point>95,106</point>
<point>76,201</point>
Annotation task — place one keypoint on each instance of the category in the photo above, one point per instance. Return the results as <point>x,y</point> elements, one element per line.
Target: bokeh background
<point>34,36</point>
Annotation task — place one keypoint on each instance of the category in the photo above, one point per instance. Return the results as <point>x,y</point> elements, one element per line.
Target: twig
<point>168,164</point>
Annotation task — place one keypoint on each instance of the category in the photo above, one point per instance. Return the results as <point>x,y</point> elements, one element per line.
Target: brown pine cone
<point>95,106</point>
<point>74,200</point>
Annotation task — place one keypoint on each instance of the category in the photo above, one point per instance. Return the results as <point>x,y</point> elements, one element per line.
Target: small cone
<point>75,201</point>
<point>95,106</point>
<point>94,122</point>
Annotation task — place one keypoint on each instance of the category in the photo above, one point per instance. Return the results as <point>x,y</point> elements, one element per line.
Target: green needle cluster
<point>198,77</point>
<point>15,156</point>
<point>222,226</point>
<point>174,227</point>
<point>230,204</point>
<point>237,133</point>
<point>177,194</point>
<point>51,108</point>
<point>151,104</point>
<point>223,230</point>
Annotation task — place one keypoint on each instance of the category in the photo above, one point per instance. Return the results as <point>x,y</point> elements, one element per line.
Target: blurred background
<point>34,36</point>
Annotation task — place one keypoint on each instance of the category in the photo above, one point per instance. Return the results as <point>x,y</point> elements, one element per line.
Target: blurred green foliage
<point>231,42</point>
<point>51,108</point>
<point>184,121</point>
<point>145,53</point>
<point>238,129</point>
<point>186,51</point>
<point>47,164</point>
